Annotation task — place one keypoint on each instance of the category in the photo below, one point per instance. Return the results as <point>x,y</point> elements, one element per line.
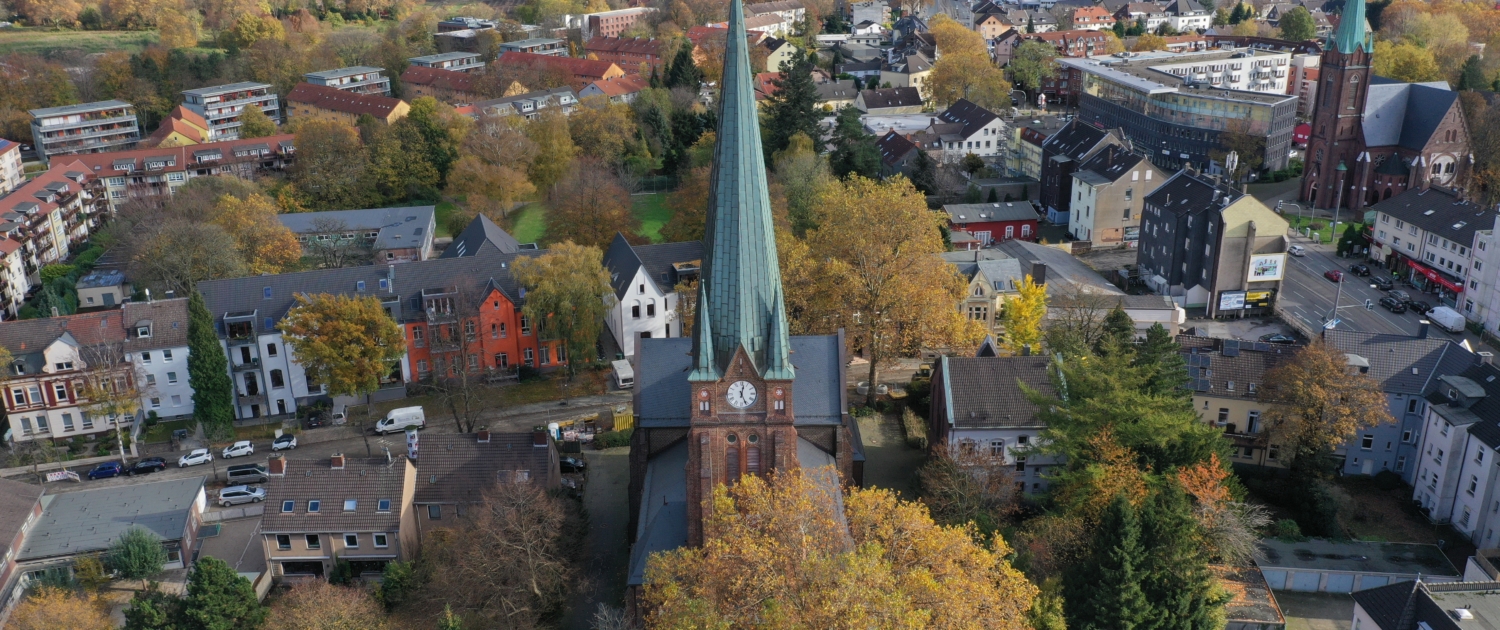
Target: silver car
<point>235,495</point>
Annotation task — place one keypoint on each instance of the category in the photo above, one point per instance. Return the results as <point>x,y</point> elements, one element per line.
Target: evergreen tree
<point>1103,592</point>
<point>924,173</point>
<point>1119,331</point>
<point>1030,25</point>
<point>683,72</point>
<point>1161,353</point>
<point>1471,77</point>
<point>1176,580</point>
<point>793,109</point>
<point>1238,14</point>
<point>219,599</point>
<point>854,150</point>
<point>152,609</point>
<point>208,372</point>
<point>994,195</point>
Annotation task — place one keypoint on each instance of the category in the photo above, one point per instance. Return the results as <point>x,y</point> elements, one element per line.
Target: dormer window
<point>1452,394</point>
<point>143,331</point>
<point>63,366</point>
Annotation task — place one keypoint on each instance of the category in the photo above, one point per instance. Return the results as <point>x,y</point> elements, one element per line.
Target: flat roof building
<point>87,522</point>
<point>221,106</point>
<point>456,61</point>
<point>1317,565</point>
<point>537,46</point>
<point>356,79</point>
<point>86,128</point>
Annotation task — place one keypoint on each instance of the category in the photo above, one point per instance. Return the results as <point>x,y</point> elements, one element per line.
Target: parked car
<point>1383,283</point>
<point>572,464</point>
<point>1297,250</point>
<point>1393,305</point>
<point>1334,275</point>
<point>198,456</point>
<point>400,420</point>
<point>1278,338</point>
<point>147,466</point>
<point>246,473</point>
<point>1401,295</point>
<point>313,421</point>
<point>1360,270</point>
<point>106,470</point>
<point>235,495</point>
<point>1419,307</point>
<point>238,449</point>
<point>286,441</point>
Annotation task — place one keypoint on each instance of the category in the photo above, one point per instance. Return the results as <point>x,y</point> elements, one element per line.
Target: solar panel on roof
<point>1231,348</point>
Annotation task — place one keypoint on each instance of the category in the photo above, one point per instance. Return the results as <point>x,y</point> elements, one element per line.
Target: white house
<point>644,278</point>
<point>966,128</point>
<point>1458,462</point>
<point>978,408</point>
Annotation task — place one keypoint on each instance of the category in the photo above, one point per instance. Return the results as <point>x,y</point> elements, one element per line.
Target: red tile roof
<point>337,100</point>
<point>628,84</point>
<point>72,174</point>
<point>438,78</point>
<point>580,68</point>
<point>179,158</point>
<point>624,46</point>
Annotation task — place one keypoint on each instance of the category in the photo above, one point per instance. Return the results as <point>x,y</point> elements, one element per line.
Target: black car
<point>314,421</point>
<point>1360,270</point>
<point>1382,283</point>
<point>1419,307</point>
<point>147,466</point>
<point>1278,338</point>
<point>1393,305</point>
<point>572,464</point>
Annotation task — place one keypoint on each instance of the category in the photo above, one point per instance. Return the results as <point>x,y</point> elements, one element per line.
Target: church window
<point>752,458</point>
<point>731,463</point>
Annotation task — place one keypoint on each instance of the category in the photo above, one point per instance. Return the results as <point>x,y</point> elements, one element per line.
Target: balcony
<point>250,399</point>
<point>248,366</point>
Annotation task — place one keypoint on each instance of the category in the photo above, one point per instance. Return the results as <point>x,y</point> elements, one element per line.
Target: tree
<point>1471,77</point>
<point>1162,355</point>
<point>968,76</point>
<point>434,130</point>
<point>218,598</point>
<point>1297,25</point>
<point>602,129</point>
<point>924,174</point>
<point>319,605</point>
<point>793,107</point>
<point>590,206</point>
<point>330,165</point>
<point>854,153</point>
<point>397,582</point>
<point>349,344</point>
<point>90,574</point>
<point>1032,63</point>
<point>489,189</point>
<point>1178,582</point>
<point>1112,42</point>
<point>52,608</point>
<point>151,609</point>
<point>266,246</point>
<point>953,38</point>
<point>208,371</point>
<point>873,258</point>
<point>683,72</point>
<point>803,174</point>
<point>450,621</point>
<point>881,563</point>
<point>177,255</point>
<point>1406,62</point>
<point>137,554</point>
<point>1317,401</point>
<point>112,387</point>
<point>554,148</point>
<point>1248,147</point>
<point>565,293</point>
<point>963,486</point>
<point>1023,315</point>
<point>254,123</point>
<point>1119,331</point>
<point>1104,591</point>
<point>1149,42</point>
<point>689,206</point>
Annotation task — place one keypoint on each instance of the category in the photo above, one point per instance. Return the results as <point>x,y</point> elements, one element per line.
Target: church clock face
<point>741,394</point>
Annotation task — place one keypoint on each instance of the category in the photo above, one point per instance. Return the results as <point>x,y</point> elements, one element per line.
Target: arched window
<point>752,454</point>
<point>732,459</point>
<point>1387,193</point>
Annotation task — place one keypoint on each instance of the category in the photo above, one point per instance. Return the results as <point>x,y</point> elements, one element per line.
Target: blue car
<point>106,470</point>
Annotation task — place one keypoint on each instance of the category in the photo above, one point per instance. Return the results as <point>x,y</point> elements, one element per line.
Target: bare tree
<point>1075,320</point>
<point>329,246</point>
<point>112,387</point>
<point>969,484</point>
<point>459,373</point>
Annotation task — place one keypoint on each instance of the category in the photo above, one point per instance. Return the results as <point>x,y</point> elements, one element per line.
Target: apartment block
<point>320,512</point>
<point>308,100</point>
<point>382,235</point>
<point>1225,376</point>
<point>86,128</point>
<point>610,23</point>
<point>1109,192</point>
<point>458,469</point>
<point>11,173</point>
<point>455,61</point>
<point>537,46</point>
<point>1432,236</point>
<point>221,106</point>
<point>145,173</point>
<point>356,79</point>
<point>42,221</point>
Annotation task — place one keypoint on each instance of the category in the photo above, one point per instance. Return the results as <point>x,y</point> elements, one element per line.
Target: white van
<point>401,420</point>
<point>624,375</point>
<point>1447,319</point>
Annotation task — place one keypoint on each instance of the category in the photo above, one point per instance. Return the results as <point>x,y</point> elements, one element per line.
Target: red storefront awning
<point>1433,275</point>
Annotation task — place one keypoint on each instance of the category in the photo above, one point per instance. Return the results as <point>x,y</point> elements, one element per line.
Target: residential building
<point>311,101</point>
<point>1226,377</point>
<point>181,127</point>
<point>790,11</point>
<point>142,173</point>
<point>12,175</point>
<point>778,53</point>
<point>355,79</point>
<point>1398,137</point>
<point>581,71</point>
<point>320,512</point>
<point>455,61</point>
<point>1211,246</point>
<point>632,54</point>
<point>992,281</point>
<point>45,218</point>
<point>483,233</point>
<point>645,279</point>
<point>1179,119</point>
<point>1457,481</point>
<point>1094,18</point>
<point>1484,278</point>
<point>1031,21</point>
<point>863,70</point>
<point>869,34</point>
<point>221,105</point>
<point>449,86</point>
<point>85,128</point>
<point>609,23</point>
<point>992,25</point>
<point>1302,71</point>
<point>1025,158</point>
<point>1241,69</point>
<point>1431,236</point>
<point>86,522</point>
<point>909,71</point>
<point>1425,603</point>
<point>992,222</point>
<point>966,128</point>
<point>1062,153</point>
<point>836,95</point>
<point>1072,43</point>
<point>767,25</point>
<point>528,105</point>
<point>544,46</point>
<point>899,100</point>
<point>1407,369</point>
<point>459,469</point>
<point>465,24</point>
<point>1109,192</point>
<point>618,90</point>
<point>1185,43</point>
<point>386,235</point>
<point>897,153</point>
<point>1146,14</point>
<point>979,408</point>
<point>20,511</point>
<point>1187,16</point>
<point>102,288</point>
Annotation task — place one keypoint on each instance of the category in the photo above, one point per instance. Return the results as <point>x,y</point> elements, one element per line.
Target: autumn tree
<point>492,172</point>
<point>254,123</point>
<point>882,562</point>
<point>1317,400</point>
<point>803,175</point>
<point>589,206</point>
<point>319,605</point>
<point>554,148</point>
<point>330,166</point>
<point>689,205</point>
<point>874,258</point>
<point>964,70</point>
<point>602,129</point>
<point>1149,42</point>
<point>50,608</point>
<point>565,293</point>
<point>264,243</point>
<point>1248,147</point>
<point>1023,315</point>
<point>348,344</point>
<point>1405,61</point>
<point>177,253</point>
<point>112,387</point>
<point>1032,63</point>
<point>964,486</point>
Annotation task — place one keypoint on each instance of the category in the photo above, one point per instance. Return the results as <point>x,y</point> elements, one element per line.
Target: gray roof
<point>892,97</point>
<point>448,56</point>
<point>836,91</point>
<point>481,231</point>
<point>663,515</point>
<point>78,109</point>
<point>1404,114</point>
<point>1230,368</point>
<point>341,72</point>
<point>1441,212</point>
<point>1191,194</point>
<point>1064,272</point>
<point>971,116</point>
<point>366,481</point>
<point>1075,140</point>
<point>89,521</point>
<point>399,228</point>
<point>1109,164</point>
<point>227,87</point>
<point>1403,364</point>
<point>965,213</point>
<point>1386,604</point>
<point>111,331</point>
<point>1416,604</point>
<point>1485,410</point>
<point>101,278</point>
<point>17,500</point>
<point>663,395</point>
<point>457,467</point>
<point>1362,557</point>
<point>985,392</point>
<point>622,260</point>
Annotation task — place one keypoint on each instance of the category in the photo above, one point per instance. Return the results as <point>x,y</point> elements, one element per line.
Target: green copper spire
<point>741,303</point>
<point>1351,35</point>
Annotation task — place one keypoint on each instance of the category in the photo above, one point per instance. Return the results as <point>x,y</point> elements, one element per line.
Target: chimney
<point>276,466</point>
<point>148,297</point>
<point>337,461</point>
<point>539,436</point>
<point>484,435</point>
<point>1486,358</point>
<point>1422,330</point>
<point>1039,273</point>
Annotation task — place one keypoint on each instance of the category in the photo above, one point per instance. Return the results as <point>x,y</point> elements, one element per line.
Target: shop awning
<point>1435,276</point>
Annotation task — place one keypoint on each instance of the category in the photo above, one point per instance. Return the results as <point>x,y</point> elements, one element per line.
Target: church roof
<point>1404,114</point>
<point>1351,34</point>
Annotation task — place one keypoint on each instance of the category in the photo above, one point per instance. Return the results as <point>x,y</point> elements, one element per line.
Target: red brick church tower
<point>1336,157</point>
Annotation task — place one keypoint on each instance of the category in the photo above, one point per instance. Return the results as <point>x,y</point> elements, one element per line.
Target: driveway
<point>1316,611</point>
<point>889,462</point>
<point>607,547</point>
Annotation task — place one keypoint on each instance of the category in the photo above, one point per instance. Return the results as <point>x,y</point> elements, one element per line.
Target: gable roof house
<point>581,71</point>
<point>454,471</point>
<point>837,94</point>
<point>1457,480</point>
<point>908,69</point>
<point>994,222</point>
<point>966,128</point>
<point>42,221</point>
<point>449,86</point>
<point>897,152</point>
<point>391,235</point>
<point>1226,376</point>
<point>160,171</point>
<point>645,279</point>
<point>1109,193</point>
<point>896,100</point>
<point>1427,603</point>
<point>1062,153</point>
<point>528,105</point>
<point>182,126</point>
<point>308,100</point>
<point>482,232</point>
<point>631,54</point>
<point>618,90</point>
<point>323,511</point>
<point>979,409</point>
<point>20,509</point>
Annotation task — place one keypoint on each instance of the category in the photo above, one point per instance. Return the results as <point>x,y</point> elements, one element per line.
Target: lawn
<point>653,212</point>
<point>47,42</point>
<point>528,224</point>
<point>162,432</point>
<point>1324,235</point>
<point>443,211</point>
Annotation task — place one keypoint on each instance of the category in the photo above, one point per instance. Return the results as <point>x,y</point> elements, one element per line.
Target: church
<point>740,396</point>
<point>1374,138</point>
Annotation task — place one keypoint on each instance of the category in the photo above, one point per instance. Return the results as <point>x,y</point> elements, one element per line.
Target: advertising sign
<point>1267,267</point>
<point>1231,300</point>
<point>1258,299</point>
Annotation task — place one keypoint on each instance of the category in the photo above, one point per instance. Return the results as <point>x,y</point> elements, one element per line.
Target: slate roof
<point>894,147</point>
<point>399,228</point>
<point>1403,364</point>
<point>1385,604</point>
<point>1439,211</point>
<point>663,397</point>
<point>1230,368</point>
<point>623,260</point>
<point>966,213</point>
<point>1074,140</point>
<point>892,97</point>
<point>456,467</point>
<point>1486,410</point>
<point>17,500</point>
<point>114,329</point>
<point>1404,114</point>
<point>168,320</point>
<point>1185,192</point>
<point>367,481</point>
<point>1111,163</point>
<point>481,231</point>
<point>872,65</point>
<point>836,91</point>
<point>1427,604</point>
<point>971,116</point>
<point>334,99</point>
<point>985,392</point>
<point>89,521</point>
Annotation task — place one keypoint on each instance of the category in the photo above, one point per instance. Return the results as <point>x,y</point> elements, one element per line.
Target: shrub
<point>1287,529</point>
<point>89,572</point>
<point>613,439</point>
<point>53,272</point>
<point>396,583</point>
<point>526,373</point>
<point>915,428</point>
<point>1318,225</point>
<point>1387,480</point>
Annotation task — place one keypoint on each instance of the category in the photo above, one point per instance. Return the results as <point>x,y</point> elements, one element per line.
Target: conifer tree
<point>219,599</point>
<point>1471,76</point>
<point>1176,580</point>
<point>793,108</point>
<point>208,371</point>
<point>1103,592</point>
<point>1160,353</point>
<point>1119,330</point>
<point>683,71</point>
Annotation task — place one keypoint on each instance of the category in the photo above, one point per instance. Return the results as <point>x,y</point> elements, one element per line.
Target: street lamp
<point>1338,200</point>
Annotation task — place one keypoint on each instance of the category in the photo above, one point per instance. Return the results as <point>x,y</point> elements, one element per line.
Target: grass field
<point>48,42</point>
<point>529,224</point>
<point>442,212</point>
<point>1324,235</point>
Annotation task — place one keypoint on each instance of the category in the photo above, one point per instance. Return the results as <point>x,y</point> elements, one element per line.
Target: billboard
<point>1267,267</point>
<point>1231,300</point>
<point>1258,299</point>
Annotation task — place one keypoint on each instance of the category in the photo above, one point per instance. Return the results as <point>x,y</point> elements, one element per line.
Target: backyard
<point>529,224</point>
